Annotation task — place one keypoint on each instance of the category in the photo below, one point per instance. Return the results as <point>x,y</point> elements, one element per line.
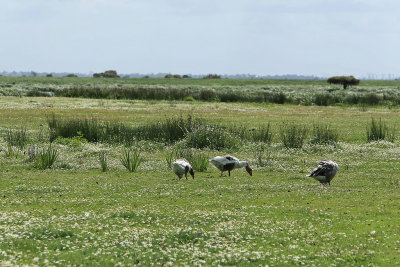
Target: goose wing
<point>322,169</point>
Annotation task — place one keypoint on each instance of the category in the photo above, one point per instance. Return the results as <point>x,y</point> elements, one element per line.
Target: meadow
<point>298,92</point>
<point>76,212</point>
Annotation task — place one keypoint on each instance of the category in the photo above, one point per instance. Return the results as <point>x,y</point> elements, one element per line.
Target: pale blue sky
<point>201,36</point>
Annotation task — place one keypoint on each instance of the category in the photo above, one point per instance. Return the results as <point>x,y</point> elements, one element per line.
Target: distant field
<point>75,214</point>
<point>299,92</point>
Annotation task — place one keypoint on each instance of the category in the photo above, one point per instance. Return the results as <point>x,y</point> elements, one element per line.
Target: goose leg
<point>229,173</point>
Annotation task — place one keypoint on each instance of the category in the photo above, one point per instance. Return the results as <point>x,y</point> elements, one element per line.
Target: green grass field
<point>75,214</point>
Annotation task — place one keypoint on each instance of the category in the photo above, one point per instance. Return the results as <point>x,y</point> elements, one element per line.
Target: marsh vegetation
<point>68,198</point>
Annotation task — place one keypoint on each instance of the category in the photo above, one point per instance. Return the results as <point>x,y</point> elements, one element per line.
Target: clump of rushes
<point>293,136</point>
<point>103,161</point>
<point>199,162</point>
<point>17,138</point>
<point>324,134</point>
<point>46,158</point>
<point>377,130</point>
<point>131,160</point>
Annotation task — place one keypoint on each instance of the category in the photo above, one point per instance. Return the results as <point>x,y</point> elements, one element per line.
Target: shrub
<point>207,95</point>
<point>293,136</point>
<point>324,134</point>
<point>323,99</point>
<point>379,131</point>
<point>279,98</point>
<point>131,160</point>
<point>371,99</point>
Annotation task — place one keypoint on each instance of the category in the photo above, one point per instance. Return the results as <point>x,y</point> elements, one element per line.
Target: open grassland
<point>73,213</point>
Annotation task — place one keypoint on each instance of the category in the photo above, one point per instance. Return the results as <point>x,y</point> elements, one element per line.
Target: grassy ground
<point>76,214</point>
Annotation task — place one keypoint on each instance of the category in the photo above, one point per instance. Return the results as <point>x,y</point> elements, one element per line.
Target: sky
<point>262,37</point>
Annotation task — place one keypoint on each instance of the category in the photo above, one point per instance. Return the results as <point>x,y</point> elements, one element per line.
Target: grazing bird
<point>182,167</point>
<point>325,172</point>
<point>228,163</point>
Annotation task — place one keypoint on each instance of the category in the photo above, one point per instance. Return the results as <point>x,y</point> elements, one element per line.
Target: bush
<point>207,95</point>
<point>370,99</point>
<point>293,136</point>
<point>323,99</point>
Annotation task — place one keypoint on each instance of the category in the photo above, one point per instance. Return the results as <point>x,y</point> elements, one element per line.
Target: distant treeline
<point>263,95</point>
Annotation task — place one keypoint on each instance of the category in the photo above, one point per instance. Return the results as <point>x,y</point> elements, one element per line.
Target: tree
<point>106,74</point>
<point>343,80</point>
<point>110,74</point>
<point>212,76</point>
<point>172,76</point>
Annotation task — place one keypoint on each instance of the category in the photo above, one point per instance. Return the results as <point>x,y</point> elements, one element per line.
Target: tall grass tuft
<point>12,152</point>
<point>199,162</point>
<point>293,136</point>
<point>259,152</point>
<point>324,134</point>
<point>103,161</point>
<point>262,134</point>
<point>131,160</point>
<point>212,137</point>
<point>377,130</point>
<point>46,158</point>
<point>16,137</point>
<point>169,131</point>
<point>90,129</point>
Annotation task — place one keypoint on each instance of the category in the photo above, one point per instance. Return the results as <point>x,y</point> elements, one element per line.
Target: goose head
<point>249,170</point>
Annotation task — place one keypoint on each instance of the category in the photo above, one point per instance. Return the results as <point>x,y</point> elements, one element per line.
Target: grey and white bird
<point>228,163</point>
<point>182,167</point>
<point>325,172</point>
